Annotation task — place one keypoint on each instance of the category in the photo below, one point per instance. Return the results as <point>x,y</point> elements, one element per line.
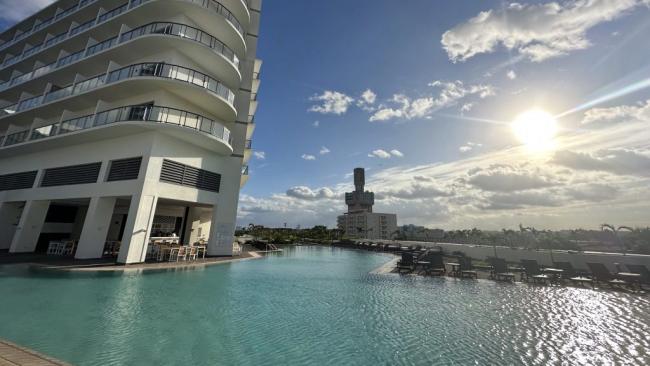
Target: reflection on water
<point>315,306</point>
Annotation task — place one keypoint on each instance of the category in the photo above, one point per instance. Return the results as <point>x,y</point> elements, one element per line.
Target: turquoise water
<point>315,306</point>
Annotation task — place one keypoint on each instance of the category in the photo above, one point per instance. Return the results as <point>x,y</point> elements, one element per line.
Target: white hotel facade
<point>126,119</point>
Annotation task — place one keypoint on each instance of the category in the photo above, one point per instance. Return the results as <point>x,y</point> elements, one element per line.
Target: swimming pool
<point>314,306</point>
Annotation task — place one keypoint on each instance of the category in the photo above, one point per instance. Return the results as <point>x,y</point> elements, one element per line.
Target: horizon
<point>426,101</point>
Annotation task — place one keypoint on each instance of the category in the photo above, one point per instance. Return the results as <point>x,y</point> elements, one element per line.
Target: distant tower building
<point>359,200</point>
<point>360,221</point>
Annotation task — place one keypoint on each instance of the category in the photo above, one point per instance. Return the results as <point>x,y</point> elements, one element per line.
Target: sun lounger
<point>407,263</point>
<point>600,274</point>
<point>466,268</point>
<point>533,272</point>
<point>640,269</point>
<point>500,270</point>
<point>569,273</point>
<point>432,264</point>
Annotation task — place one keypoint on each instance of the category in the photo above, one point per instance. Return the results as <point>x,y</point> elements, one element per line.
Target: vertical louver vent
<point>22,180</point>
<point>177,173</point>
<point>124,169</point>
<point>75,174</point>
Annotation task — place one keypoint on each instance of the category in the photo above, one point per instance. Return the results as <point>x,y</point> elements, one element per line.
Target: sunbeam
<point>634,87</point>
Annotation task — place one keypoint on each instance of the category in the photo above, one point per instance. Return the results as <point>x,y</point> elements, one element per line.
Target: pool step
<point>12,354</point>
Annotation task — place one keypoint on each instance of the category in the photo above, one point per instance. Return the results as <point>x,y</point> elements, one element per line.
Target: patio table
<point>455,268</point>
<point>554,273</point>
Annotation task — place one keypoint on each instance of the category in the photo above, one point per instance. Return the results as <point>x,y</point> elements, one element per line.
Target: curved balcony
<point>131,119</point>
<point>214,6</point>
<point>161,29</point>
<point>154,70</point>
<point>47,22</point>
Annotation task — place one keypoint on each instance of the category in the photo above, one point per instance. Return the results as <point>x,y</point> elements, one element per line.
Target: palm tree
<point>614,230</point>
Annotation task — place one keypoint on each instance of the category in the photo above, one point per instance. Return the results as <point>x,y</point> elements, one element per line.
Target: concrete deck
<point>69,264</point>
<point>12,354</point>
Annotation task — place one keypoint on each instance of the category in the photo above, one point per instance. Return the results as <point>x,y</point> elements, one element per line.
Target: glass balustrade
<point>29,103</point>
<point>209,4</point>
<point>183,31</point>
<point>16,138</point>
<point>165,28</point>
<point>143,113</point>
<point>153,69</point>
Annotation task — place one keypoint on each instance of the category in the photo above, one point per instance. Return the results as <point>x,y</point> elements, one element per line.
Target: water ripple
<point>317,306</point>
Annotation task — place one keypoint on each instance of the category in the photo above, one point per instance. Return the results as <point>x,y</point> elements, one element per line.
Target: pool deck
<point>12,354</point>
<point>106,265</point>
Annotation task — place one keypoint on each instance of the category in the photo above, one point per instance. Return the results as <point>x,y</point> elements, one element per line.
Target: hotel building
<point>122,120</point>
<point>360,221</point>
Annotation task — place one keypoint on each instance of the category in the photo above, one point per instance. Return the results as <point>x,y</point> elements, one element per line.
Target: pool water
<point>315,306</point>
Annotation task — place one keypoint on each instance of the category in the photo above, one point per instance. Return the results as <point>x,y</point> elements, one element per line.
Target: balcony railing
<point>137,113</point>
<point>212,5</point>
<point>244,170</point>
<point>153,70</point>
<point>166,28</point>
<point>47,22</point>
<point>249,144</point>
<point>186,32</point>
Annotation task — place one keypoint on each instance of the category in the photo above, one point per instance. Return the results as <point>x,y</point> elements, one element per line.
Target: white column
<point>222,234</point>
<point>224,213</point>
<point>29,227</point>
<point>9,216</point>
<point>95,228</point>
<point>136,231</point>
<point>192,222</point>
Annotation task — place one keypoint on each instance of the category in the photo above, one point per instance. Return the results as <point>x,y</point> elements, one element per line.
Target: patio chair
<point>436,265</point>
<point>191,254</point>
<point>500,270</point>
<point>533,272</point>
<point>640,269</point>
<point>177,254</point>
<point>406,263</point>
<point>600,274</point>
<point>53,247</point>
<point>466,268</point>
<point>570,273</point>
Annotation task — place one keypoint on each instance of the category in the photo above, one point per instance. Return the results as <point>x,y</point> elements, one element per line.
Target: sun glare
<point>536,129</point>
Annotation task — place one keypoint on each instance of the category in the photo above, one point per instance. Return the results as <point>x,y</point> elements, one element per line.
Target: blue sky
<point>422,94</point>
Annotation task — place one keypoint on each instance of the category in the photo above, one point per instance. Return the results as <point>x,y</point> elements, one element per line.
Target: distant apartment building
<point>122,120</point>
<point>360,222</point>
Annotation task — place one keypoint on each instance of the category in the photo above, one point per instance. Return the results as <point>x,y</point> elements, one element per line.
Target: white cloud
<point>466,107</point>
<point>324,150</point>
<point>535,31</point>
<point>397,153</point>
<point>512,75</point>
<point>379,153</point>
<point>450,94</point>
<point>16,10</point>
<point>620,113</point>
<point>316,124</point>
<point>307,193</point>
<point>507,178</point>
<point>308,157</point>
<point>469,146</point>
<point>368,96</point>
<point>383,154</point>
<point>616,161</point>
<point>367,100</point>
<point>261,155</point>
<point>332,102</point>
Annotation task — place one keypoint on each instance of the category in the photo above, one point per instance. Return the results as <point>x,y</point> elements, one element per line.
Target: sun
<point>536,129</point>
